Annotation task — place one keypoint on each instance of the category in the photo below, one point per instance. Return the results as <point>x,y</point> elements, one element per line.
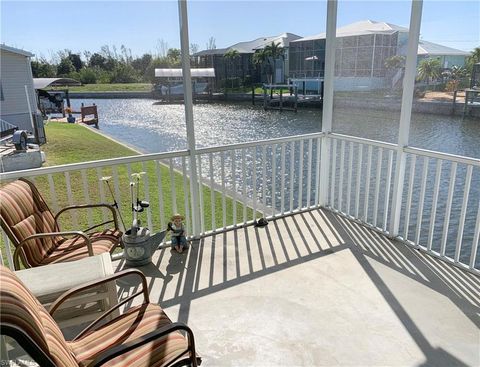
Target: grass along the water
<point>114,87</point>
<point>72,143</point>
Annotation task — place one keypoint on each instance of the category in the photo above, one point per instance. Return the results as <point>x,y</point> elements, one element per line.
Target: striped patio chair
<point>35,232</point>
<point>143,336</point>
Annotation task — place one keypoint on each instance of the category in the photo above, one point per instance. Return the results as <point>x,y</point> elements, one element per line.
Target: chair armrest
<point>72,292</point>
<point>87,206</point>
<point>20,246</point>
<point>165,330</point>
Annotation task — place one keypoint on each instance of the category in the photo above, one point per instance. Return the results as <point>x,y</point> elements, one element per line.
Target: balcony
<point>322,283</point>
<point>316,288</point>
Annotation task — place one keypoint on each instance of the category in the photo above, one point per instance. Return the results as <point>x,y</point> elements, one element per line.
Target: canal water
<point>154,128</point>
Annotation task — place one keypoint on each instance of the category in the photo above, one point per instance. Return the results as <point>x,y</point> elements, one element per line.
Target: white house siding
<point>15,73</point>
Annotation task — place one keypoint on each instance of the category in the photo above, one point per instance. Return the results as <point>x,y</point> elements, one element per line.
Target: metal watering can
<point>140,245</point>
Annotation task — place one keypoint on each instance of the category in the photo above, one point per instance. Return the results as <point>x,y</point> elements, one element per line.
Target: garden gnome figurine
<point>179,237</point>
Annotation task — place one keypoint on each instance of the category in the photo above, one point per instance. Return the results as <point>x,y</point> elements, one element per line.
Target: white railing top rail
<point>444,156</point>
<point>257,143</point>
<point>92,164</point>
<point>355,139</point>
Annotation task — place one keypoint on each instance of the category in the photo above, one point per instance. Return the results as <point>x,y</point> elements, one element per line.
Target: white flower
<point>105,178</point>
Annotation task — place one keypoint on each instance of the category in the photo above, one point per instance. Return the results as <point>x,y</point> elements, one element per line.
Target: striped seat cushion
<point>136,322</point>
<point>21,309</point>
<point>25,213</point>
<point>75,249</point>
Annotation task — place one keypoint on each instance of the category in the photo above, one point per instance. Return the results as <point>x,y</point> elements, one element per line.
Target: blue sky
<point>45,27</point>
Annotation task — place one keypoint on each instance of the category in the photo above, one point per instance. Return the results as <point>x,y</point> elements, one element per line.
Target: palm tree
<point>274,51</point>
<point>473,59</point>
<point>260,57</point>
<point>230,55</point>
<point>429,69</point>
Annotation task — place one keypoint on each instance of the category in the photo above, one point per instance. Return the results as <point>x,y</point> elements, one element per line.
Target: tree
<point>161,48</point>
<point>429,69</point>
<point>260,58</point>
<point>141,64</point>
<point>42,69</point>
<point>211,44</point>
<point>65,67</point>
<point>174,55</point>
<point>473,59</point>
<point>88,76</point>
<point>97,60</point>
<point>230,56</point>
<point>274,52</point>
<point>193,48</point>
<point>394,62</point>
<point>76,61</point>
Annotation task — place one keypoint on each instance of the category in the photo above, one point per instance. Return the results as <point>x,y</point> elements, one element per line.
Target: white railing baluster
<point>186,195</point>
<point>224,203</point>
<point>317,172</point>
<point>433,213</point>
<point>86,196</point>
<point>254,182</point>
<point>359,176</point>
<point>102,192</point>
<point>172,186</point>
<point>309,172</point>
<point>264,179</point>
<point>116,187</point>
<point>476,236</point>
<point>377,186</point>
<point>234,186</point>
<point>146,192</point>
<point>387,188</point>
<point>448,209</point>
<point>292,173</point>
<point>421,200</point>
<point>161,204</point>
<point>333,181</point>
<point>282,186</point>
<point>367,184</point>
<point>73,213</point>
<point>129,172</point>
<point>300,177</point>
<point>349,177</point>
<point>342,168</point>
<point>53,194</point>
<point>408,208</point>
<point>274,180</point>
<point>463,213</point>
<point>212,191</point>
<point>244,187</point>
<point>200,194</point>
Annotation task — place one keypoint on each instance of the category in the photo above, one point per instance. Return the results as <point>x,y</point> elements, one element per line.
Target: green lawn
<point>117,87</point>
<point>71,143</point>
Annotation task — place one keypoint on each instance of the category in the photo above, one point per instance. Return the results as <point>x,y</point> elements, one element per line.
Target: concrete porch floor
<point>316,289</point>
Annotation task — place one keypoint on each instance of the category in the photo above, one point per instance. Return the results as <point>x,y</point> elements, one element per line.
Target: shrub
<point>88,76</point>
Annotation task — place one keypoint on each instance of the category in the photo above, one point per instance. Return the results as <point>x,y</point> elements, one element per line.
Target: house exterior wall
<point>16,72</point>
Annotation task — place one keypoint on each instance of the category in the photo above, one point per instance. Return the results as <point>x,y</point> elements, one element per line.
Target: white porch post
<point>187,95</point>
<point>327,114</point>
<point>405,114</point>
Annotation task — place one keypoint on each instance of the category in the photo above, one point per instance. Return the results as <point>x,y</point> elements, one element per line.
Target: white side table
<point>50,281</point>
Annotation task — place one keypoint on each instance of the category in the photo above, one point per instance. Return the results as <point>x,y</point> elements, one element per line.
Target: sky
<point>45,27</point>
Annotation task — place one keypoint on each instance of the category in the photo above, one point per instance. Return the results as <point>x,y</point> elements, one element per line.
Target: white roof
<point>40,83</point>
<point>14,50</point>
<point>249,47</point>
<point>430,48</point>
<point>177,73</point>
<point>360,28</point>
